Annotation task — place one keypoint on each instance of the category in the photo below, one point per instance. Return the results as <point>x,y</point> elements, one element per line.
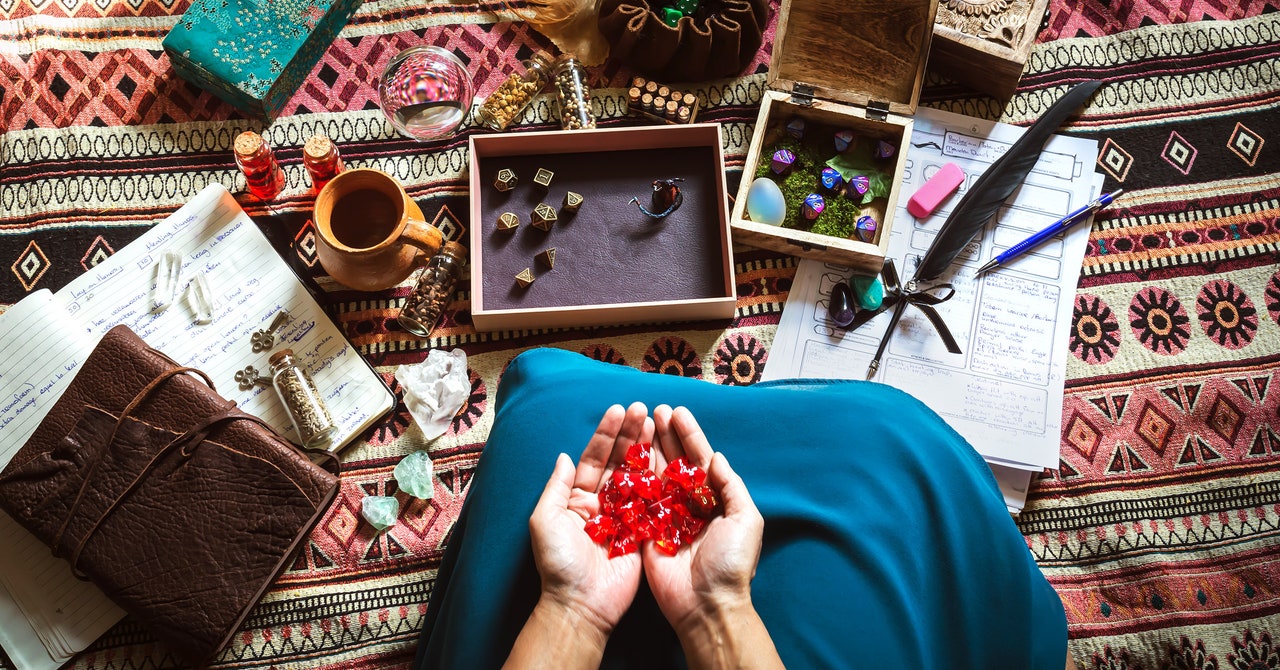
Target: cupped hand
<point>713,573</point>
<point>577,574</point>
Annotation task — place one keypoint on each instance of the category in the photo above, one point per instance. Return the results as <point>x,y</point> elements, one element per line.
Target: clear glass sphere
<point>426,92</point>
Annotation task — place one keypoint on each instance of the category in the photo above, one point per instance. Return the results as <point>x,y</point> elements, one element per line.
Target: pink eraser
<point>935,190</point>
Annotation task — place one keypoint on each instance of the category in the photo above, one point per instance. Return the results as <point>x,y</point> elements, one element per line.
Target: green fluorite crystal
<point>415,476</point>
<point>380,511</point>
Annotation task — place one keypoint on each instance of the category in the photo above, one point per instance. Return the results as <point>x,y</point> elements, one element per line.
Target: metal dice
<point>547,258</point>
<point>543,178</point>
<point>506,180</point>
<point>544,216</point>
<point>525,278</point>
<point>508,222</point>
<point>572,201</point>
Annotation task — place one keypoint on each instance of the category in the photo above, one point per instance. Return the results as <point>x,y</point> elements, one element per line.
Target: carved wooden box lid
<point>854,51</point>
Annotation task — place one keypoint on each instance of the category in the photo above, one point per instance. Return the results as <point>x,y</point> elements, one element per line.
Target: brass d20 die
<point>544,216</point>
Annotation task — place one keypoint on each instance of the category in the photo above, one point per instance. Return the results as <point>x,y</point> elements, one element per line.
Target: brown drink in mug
<point>370,234</point>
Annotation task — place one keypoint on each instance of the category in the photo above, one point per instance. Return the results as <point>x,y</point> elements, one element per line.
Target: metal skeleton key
<point>264,339</point>
<point>249,377</point>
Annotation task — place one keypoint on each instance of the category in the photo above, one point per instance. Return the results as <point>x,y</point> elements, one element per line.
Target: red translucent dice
<point>635,505</point>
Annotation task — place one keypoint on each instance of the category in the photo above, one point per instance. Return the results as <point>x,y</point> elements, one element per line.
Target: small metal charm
<point>666,198</point>
<point>264,339</point>
<point>249,377</point>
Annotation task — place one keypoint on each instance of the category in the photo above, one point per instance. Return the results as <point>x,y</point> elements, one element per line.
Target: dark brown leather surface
<point>195,544</point>
<point>609,252</point>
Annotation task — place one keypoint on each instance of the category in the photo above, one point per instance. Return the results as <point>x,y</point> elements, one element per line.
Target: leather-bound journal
<point>180,507</point>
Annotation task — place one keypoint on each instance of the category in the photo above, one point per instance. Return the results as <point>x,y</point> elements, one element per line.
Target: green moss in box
<point>814,152</point>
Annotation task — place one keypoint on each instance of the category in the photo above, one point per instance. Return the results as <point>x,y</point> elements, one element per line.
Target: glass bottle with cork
<point>508,102</point>
<point>322,160</point>
<point>302,400</point>
<point>573,94</point>
<point>262,172</point>
<point>431,295</point>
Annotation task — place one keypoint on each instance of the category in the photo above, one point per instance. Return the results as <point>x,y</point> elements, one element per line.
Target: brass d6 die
<point>543,178</point>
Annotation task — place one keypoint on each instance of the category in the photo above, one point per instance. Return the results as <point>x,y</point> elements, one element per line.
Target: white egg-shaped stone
<point>765,203</point>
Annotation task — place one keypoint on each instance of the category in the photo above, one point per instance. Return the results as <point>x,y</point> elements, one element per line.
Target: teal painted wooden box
<point>254,54</point>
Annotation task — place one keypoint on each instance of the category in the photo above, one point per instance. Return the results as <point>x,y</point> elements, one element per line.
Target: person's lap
<point>886,540</point>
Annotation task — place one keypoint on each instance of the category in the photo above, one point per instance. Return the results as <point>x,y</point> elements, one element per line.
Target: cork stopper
<point>454,249</point>
<point>248,143</point>
<point>318,147</point>
<point>279,356</point>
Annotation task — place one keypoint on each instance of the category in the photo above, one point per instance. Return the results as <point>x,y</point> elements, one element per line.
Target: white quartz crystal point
<point>168,268</point>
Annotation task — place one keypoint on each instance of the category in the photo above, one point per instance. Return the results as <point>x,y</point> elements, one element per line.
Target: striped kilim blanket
<point>1159,529</point>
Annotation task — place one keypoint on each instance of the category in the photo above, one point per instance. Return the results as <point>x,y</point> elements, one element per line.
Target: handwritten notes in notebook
<point>250,283</point>
<point>46,336</point>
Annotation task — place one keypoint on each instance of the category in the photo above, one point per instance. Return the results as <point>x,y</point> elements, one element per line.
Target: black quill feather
<point>997,183</point>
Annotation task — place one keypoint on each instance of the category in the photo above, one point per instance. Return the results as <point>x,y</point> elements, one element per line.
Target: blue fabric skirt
<point>886,542</point>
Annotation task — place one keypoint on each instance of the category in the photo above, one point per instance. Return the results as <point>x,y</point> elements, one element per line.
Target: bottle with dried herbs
<point>434,290</point>
<point>301,399</point>
<point>573,94</point>
<point>508,102</point>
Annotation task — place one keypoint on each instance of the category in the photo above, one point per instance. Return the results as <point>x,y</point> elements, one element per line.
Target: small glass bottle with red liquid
<point>321,158</point>
<point>261,171</point>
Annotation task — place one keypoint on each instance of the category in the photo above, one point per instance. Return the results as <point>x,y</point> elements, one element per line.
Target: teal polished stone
<point>415,475</point>
<point>765,203</point>
<point>380,511</point>
<point>868,290</point>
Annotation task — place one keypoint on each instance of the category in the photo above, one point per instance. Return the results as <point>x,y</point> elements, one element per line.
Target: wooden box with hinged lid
<point>985,43</point>
<point>854,66</point>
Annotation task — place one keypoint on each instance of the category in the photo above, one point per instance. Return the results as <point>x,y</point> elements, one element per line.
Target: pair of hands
<point>704,581</point>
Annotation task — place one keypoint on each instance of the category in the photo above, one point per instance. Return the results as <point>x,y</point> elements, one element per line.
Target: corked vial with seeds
<point>508,102</point>
<point>302,400</point>
<point>573,94</point>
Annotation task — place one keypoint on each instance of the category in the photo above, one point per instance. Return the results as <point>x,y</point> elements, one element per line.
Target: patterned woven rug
<point>1160,528</point>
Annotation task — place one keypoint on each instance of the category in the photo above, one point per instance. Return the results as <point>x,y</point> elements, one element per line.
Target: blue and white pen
<point>1057,227</point>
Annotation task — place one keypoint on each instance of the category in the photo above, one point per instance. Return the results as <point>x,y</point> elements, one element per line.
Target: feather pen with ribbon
<point>971,214</point>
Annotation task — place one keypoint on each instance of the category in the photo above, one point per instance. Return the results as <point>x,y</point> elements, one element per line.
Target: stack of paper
<point>1004,392</point>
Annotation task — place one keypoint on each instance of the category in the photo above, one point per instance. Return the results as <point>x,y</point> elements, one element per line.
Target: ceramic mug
<point>371,235</point>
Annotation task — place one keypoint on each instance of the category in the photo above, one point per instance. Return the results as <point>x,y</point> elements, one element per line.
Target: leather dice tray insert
<point>613,264</point>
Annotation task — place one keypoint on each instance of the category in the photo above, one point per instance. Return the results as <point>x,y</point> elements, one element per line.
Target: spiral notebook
<point>46,615</point>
